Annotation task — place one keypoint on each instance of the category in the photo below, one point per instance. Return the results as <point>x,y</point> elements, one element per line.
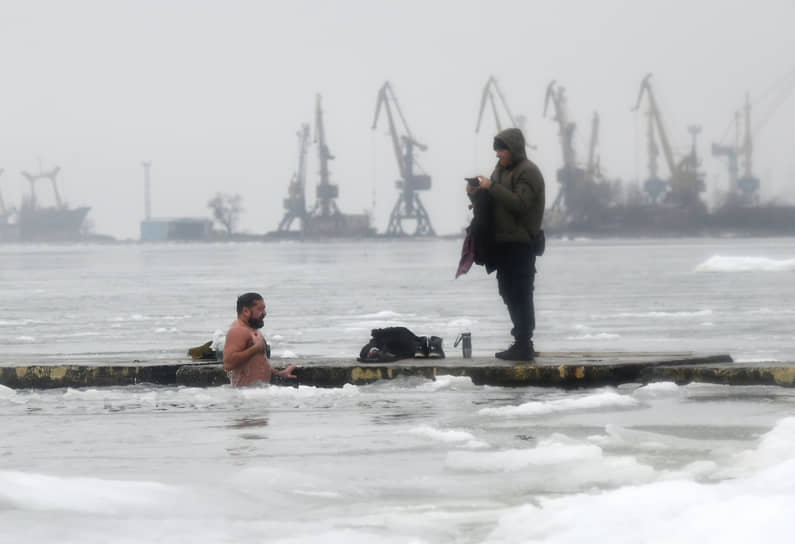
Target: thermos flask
<point>466,344</point>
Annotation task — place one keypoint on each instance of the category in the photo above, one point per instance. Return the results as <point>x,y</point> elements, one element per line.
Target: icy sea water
<point>155,301</point>
<point>408,460</point>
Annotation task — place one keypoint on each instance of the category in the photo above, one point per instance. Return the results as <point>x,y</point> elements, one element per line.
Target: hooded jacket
<point>518,194</point>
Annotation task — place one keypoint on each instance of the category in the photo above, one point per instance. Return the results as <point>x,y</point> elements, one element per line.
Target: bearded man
<point>245,350</point>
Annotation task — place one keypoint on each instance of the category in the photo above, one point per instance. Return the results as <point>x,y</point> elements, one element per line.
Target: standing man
<point>516,188</point>
<point>245,350</point>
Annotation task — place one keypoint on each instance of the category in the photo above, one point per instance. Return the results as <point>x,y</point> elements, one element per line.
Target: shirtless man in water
<point>245,351</point>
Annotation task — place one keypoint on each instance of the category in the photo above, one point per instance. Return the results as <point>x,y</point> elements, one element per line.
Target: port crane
<point>570,176</point>
<point>326,192</point>
<point>747,186</point>
<point>580,194</point>
<point>686,181</point>
<point>51,175</point>
<point>295,203</point>
<point>408,206</point>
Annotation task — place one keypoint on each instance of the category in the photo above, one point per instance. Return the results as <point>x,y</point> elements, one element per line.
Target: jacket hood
<point>514,139</point>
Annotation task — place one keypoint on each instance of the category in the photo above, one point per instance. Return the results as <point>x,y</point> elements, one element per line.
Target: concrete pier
<point>559,369</point>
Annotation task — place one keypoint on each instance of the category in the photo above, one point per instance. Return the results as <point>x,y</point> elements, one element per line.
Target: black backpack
<point>393,343</point>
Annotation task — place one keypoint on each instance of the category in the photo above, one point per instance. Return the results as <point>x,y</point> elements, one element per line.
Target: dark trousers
<point>516,272</point>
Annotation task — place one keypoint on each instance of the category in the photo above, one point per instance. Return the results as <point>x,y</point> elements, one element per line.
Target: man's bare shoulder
<point>237,332</point>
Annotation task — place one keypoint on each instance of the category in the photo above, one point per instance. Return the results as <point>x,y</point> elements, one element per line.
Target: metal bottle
<point>466,344</point>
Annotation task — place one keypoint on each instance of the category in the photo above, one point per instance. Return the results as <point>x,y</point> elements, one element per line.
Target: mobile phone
<point>474,182</point>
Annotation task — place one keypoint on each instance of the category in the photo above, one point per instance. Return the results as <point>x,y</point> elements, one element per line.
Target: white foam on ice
<point>597,336</point>
<point>462,323</point>
<point>720,263</point>
<point>668,315</point>
<point>557,463</point>
<point>622,437</point>
<point>41,492</point>
<point>753,504</point>
<point>595,401</point>
<point>449,436</point>
<point>447,383</point>
<point>383,314</point>
<point>7,392</point>
<point>657,389</point>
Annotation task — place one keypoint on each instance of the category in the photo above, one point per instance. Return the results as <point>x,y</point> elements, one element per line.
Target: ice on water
<point>721,263</point>
<point>405,461</point>
<point>409,460</point>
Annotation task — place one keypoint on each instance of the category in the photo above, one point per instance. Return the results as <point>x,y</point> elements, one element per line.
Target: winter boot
<point>421,349</point>
<point>519,351</point>
<point>435,348</point>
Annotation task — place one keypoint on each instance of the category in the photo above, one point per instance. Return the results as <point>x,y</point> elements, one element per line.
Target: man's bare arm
<point>235,350</point>
<point>284,373</point>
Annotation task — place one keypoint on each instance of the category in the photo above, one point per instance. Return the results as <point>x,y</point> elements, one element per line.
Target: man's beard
<point>256,322</point>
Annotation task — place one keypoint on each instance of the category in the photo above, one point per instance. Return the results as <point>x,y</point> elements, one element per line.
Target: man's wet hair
<point>247,300</point>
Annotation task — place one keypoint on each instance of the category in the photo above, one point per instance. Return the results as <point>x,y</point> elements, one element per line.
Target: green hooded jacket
<point>518,194</point>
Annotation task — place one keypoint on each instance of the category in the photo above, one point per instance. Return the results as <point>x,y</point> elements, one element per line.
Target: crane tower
<point>295,203</point>
<point>408,206</point>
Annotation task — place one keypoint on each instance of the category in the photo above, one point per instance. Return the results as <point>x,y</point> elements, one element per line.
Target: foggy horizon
<point>213,93</point>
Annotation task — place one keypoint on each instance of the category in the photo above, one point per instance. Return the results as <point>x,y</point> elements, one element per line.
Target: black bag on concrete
<point>393,343</point>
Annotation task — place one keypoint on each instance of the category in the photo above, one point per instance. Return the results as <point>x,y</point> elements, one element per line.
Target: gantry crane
<point>747,186</point>
<point>295,203</point>
<point>326,192</point>
<point>51,175</point>
<point>686,181</point>
<point>408,205</point>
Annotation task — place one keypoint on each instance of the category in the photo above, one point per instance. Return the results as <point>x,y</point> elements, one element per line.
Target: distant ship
<point>36,223</point>
<point>50,224</point>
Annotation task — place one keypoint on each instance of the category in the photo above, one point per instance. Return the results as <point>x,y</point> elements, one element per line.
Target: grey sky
<point>213,92</point>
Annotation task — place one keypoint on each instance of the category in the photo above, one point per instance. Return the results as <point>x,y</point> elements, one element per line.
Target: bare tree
<point>226,210</point>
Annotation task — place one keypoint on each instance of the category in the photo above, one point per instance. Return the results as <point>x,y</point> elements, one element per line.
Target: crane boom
<point>654,111</point>
<point>384,96</point>
<point>565,127</point>
<point>324,155</point>
<point>490,89</point>
<point>493,96</point>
